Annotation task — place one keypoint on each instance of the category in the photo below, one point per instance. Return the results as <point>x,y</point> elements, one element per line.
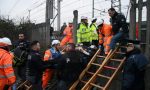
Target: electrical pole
<point>116,4</point>
<point>93,9</point>
<point>132,26</point>
<point>29,14</point>
<point>58,18</point>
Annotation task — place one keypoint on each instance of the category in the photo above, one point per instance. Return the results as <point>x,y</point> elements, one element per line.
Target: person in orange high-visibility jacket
<point>7,76</point>
<point>68,32</point>
<point>105,35</point>
<point>50,54</point>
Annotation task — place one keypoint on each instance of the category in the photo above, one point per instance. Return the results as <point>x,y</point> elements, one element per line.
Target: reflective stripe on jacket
<point>6,69</point>
<point>93,29</point>
<point>83,33</point>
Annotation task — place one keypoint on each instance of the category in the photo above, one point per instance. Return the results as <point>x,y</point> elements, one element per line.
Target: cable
<point>13,6</point>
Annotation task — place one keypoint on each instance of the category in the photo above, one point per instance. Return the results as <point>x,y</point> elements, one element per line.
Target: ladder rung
<point>103,76</point>
<point>27,86</point>
<point>95,64</point>
<point>83,81</point>
<point>90,73</point>
<point>108,67</point>
<point>120,53</point>
<point>101,56</point>
<point>118,60</point>
<point>96,85</point>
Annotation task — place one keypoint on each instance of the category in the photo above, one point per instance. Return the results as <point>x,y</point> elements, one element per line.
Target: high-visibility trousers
<point>47,76</point>
<point>66,39</point>
<point>106,44</point>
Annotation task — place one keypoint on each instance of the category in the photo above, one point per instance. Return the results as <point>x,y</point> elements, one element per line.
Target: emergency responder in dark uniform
<point>134,69</point>
<point>119,27</point>
<point>35,66</point>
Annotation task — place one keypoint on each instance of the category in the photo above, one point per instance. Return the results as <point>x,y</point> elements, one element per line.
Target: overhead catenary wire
<point>15,4</point>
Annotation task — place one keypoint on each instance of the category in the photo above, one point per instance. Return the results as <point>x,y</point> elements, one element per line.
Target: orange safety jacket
<point>7,76</point>
<point>105,36</point>
<point>68,36</point>
<point>48,72</point>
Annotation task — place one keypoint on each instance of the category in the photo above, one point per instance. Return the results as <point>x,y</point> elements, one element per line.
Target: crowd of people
<point>69,62</point>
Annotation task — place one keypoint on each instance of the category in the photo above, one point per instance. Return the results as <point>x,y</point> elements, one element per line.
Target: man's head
<point>70,47</point>
<point>35,45</point>
<point>56,44</point>
<point>5,43</point>
<point>130,47</point>
<point>21,36</point>
<point>100,23</point>
<point>111,12</point>
<point>84,19</point>
<point>70,24</point>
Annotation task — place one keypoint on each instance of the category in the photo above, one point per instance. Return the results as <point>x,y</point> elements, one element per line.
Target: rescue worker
<point>83,32</point>
<point>119,27</point>
<point>7,76</point>
<point>50,54</point>
<point>94,33</point>
<point>105,35</point>
<point>134,69</point>
<point>35,66</point>
<point>68,35</point>
<point>68,67</point>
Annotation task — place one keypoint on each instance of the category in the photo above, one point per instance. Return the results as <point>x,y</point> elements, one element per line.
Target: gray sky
<point>17,9</point>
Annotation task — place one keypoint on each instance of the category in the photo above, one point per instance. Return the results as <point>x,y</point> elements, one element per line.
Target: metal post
<point>132,25</point>
<point>93,9</point>
<point>139,18</point>
<point>148,30</point>
<point>58,18</point>
<point>75,26</point>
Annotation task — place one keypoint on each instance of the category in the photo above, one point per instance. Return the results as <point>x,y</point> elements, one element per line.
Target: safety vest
<point>7,76</point>
<point>93,29</point>
<point>68,31</point>
<point>83,34</point>
<point>54,53</point>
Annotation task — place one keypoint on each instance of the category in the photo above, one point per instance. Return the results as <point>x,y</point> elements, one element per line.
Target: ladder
<point>104,73</point>
<point>25,86</point>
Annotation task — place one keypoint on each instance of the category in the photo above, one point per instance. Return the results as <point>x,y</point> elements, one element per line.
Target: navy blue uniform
<point>118,22</point>
<point>134,71</point>
<point>35,68</point>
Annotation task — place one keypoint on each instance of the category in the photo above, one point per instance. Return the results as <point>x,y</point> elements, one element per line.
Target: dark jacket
<point>35,66</point>
<point>68,66</point>
<point>134,71</point>
<point>23,44</point>
<point>118,22</point>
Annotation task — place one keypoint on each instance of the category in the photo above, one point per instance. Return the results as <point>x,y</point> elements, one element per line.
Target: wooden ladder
<point>105,72</point>
<point>25,85</point>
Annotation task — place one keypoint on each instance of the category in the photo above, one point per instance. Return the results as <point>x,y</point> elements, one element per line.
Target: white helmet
<point>94,19</point>
<point>5,41</point>
<point>83,17</point>
<point>99,22</point>
<point>55,42</point>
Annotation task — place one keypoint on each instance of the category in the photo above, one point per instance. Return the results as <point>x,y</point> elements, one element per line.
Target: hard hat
<point>99,22</point>
<point>5,41</point>
<point>55,42</point>
<point>94,19</point>
<point>83,17</point>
